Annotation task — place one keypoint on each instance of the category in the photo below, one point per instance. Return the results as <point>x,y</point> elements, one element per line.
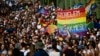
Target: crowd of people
<point>23,32</point>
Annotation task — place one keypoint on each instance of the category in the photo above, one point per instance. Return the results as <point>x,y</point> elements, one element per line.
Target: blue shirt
<point>40,52</point>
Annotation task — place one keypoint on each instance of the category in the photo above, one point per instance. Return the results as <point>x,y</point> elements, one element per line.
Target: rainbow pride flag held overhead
<point>88,6</point>
<point>75,20</point>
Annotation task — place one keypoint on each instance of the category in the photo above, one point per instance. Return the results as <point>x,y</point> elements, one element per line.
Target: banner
<point>75,20</point>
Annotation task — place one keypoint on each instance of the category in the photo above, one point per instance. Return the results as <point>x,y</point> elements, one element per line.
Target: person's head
<point>86,47</point>
<point>10,53</point>
<point>73,41</point>
<point>75,49</point>
<point>90,46</point>
<point>20,40</point>
<point>39,45</point>
<point>11,46</point>
<point>68,44</point>
<point>54,47</point>
<point>2,46</point>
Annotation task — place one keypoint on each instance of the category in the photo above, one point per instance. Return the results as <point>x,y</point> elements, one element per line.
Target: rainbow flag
<point>88,6</point>
<point>75,20</point>
<point>51,28</point>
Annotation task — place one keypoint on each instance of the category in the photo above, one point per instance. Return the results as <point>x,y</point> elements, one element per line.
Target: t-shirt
<point>25,51</point>
<point>69,52</point>
<point>54,53</point>
<point>40,52</point>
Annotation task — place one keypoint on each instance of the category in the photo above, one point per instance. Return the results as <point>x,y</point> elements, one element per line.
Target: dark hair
<point>54,46</point>
<point>23,44</point>
<point>16,52</point>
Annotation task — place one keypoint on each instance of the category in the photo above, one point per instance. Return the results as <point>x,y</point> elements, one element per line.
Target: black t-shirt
<point>16,52</point>
<point>69,52</point>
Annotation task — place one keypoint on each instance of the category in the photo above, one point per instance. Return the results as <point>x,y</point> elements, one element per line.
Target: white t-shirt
<point>98,33</point>
<point>54,53</point>
<point>59,47</point>
<point>88,52</point>
<point>39,26</point>
<point>25,51</point>
<point>84,51</point>
<point>4,52</point>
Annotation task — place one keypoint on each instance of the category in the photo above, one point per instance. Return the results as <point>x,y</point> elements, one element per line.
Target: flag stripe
<point>72,21</point>
<point>64,17</point>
